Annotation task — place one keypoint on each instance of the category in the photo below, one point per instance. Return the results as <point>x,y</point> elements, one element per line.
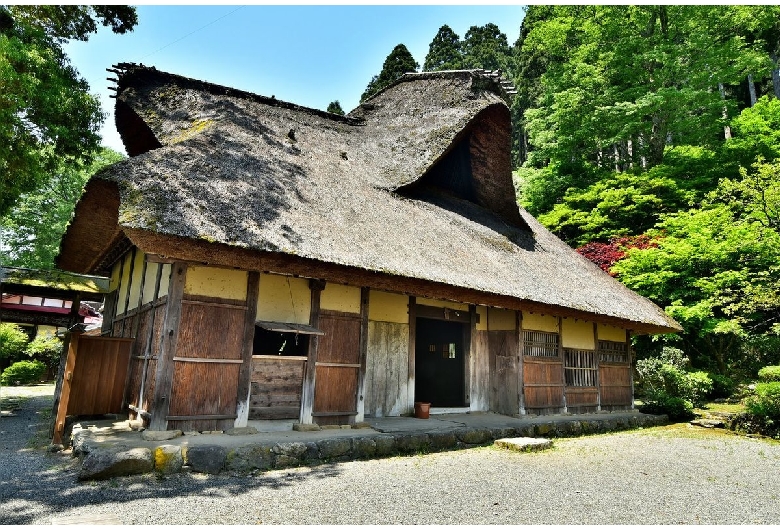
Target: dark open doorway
<point>439,363</point>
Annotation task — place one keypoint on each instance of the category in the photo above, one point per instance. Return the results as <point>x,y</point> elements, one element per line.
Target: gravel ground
<point>671,475</point>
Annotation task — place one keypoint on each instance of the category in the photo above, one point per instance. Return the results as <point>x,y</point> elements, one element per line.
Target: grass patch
<point>721,407</point>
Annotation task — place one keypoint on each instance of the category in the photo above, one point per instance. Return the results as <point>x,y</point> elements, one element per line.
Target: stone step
<point>524,445</point>
<point>101,519</point>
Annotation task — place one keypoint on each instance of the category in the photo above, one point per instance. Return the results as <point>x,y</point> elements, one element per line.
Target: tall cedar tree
<point>399,62</point>
<point>47,115</point>
<point>486,47</point>
<point>334,107</point>
<point>444,52</point>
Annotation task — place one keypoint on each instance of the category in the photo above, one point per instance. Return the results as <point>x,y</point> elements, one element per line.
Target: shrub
<point>722,386</point>
<point>46,349</point>
<point>769,374</point>
<point>765,402</point>
<point>677,408</point>
<point>696,387</point>
<point>23,373</point>
<point>12,340</point>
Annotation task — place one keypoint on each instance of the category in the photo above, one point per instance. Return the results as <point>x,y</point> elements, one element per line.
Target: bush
<point>765,402</point>
<point>46,349</point>
<point>697,386</point>
<point>769,374</point>
<point>678,409</point>
<point>12,340</point>
<point>23,373</point>
<point>722,386</point>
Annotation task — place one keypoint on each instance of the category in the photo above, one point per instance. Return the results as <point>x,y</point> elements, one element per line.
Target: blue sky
<point>308,55</point>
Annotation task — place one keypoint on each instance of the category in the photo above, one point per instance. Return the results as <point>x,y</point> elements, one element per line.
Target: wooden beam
<point>629,355</point>
<point>563,362</point>
<point>129,286</point>
<point>245,372</point>
<point>307,397</point>
<point>470,363</point>
<point>412,353</point>
<point>147,351</point>
<point>596,360</point>
<point>361,402</point>
<point>443,313</point>
<point>67,383</point>
<point>170,335</point>
<point>520,363</point>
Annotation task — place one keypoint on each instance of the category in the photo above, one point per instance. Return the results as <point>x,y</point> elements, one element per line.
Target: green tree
<point>444,52</point>
<point>31,231</point>
<point>399,62</point>
<point>47,115</point>
<point>334,107</point>
<point>13,340</point>
<point>486,47</point>
<point>634,79</point>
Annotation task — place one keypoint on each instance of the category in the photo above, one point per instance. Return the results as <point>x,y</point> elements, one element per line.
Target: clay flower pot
<point>422,410</point>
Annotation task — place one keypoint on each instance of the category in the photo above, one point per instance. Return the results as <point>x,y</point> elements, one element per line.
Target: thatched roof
<point>414,183</point>
<point>52,283</point>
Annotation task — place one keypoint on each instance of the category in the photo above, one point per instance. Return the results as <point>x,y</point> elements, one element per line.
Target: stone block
<point>206,458</point>
<point>524,444</point>
<point>412,443</point>
<point>241,431</point>
<point>160,436</point>
<point>363,448</point>
<point>543,429</point>
<point>102,463</point>
<point>168,459</point>
<point>250,457</point>
<point>385,445</point>
<point>443,440</point>
<point>334,448</point>
<point>306,427</point>
<point>473,436</point>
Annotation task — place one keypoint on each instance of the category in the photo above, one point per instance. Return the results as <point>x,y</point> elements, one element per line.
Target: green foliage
<point>444,51</point>
<point>32,229</point>
<point>13,340</point>
<point>23,373</point>
<point>722,386</point>
<point>698,387</point>
<point>399,62</point>
<point>486,47</point>
<point>769,374</point>
<point>46,349</point>
<point>334,107</point>
<point>765,402</point>
<point>678,409</point>
<point>48,119</point>
<point>756,132</point>
<point>665,377</point>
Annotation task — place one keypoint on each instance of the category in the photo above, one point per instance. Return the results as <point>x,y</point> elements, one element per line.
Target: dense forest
<point>648,137</point>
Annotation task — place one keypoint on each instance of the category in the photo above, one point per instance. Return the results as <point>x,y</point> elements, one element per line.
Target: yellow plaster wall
<point>151,278</point>
<point>388,307</point>
<point>607,332</point>
<point>284,299</point>
<point>338,297</point>
<point>482,321</point>
<point>537,322</point>
<point>165,279</point>
<point>124,281</point>
<point>578,334</point>
<point>216,282</point>
<point>443,303</point>
<point>501,319</point>
<point>135,283</point>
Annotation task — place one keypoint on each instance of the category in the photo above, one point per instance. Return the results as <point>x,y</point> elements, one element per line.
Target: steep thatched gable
<point>415,183</point>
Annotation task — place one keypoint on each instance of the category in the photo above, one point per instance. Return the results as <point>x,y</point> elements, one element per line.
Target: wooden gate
<point>504,395</point>
<point>93,381</point>
<point>337,368</point>
<point>543,384</point>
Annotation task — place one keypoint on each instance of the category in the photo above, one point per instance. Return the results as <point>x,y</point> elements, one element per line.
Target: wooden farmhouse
<point>275,261</point>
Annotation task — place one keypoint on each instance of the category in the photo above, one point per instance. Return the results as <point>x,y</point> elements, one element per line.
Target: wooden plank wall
<point>143,365</point>
<point>543,384</point>
<point>337,368</point>
<point>387,371</point>
<point>99,375</point>
<point>206,366</point>
<point>616,391</point>
<point>276,387</point>
<point>479,371</point>
<point>504,355</point>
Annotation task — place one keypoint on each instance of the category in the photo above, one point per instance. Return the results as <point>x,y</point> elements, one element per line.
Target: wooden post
<point>361,402</point>
<point>129,288</point>
<point>134,335</point>
<point>245,372</point>
<point>563,362</point>
<point>596,360</point>
<point>412,354</point>
<point>67,383</point>
<point>470,368</point>
<point>520,386</point>
<point>149,337</point>
<point>307,396</point>
<point>629,352</point>
<point>170,335</point>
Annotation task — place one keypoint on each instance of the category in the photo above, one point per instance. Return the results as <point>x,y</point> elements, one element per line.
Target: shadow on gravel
<point>36,485</point>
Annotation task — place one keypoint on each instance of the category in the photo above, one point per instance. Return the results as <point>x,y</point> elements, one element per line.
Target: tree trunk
<point>726,128</point>
<point>751,89</point>
<point>776,76</point>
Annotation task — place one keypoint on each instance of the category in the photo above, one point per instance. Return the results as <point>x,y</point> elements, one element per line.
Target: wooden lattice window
<point>580,367</point>
<point>613,352</point>
<point>540,344</point>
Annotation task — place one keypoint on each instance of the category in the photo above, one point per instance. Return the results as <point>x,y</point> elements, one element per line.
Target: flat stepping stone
<point>102,519</point>
<point>524,445</point>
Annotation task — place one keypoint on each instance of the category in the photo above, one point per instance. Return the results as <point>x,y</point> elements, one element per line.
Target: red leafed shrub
<point>605,255</point>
